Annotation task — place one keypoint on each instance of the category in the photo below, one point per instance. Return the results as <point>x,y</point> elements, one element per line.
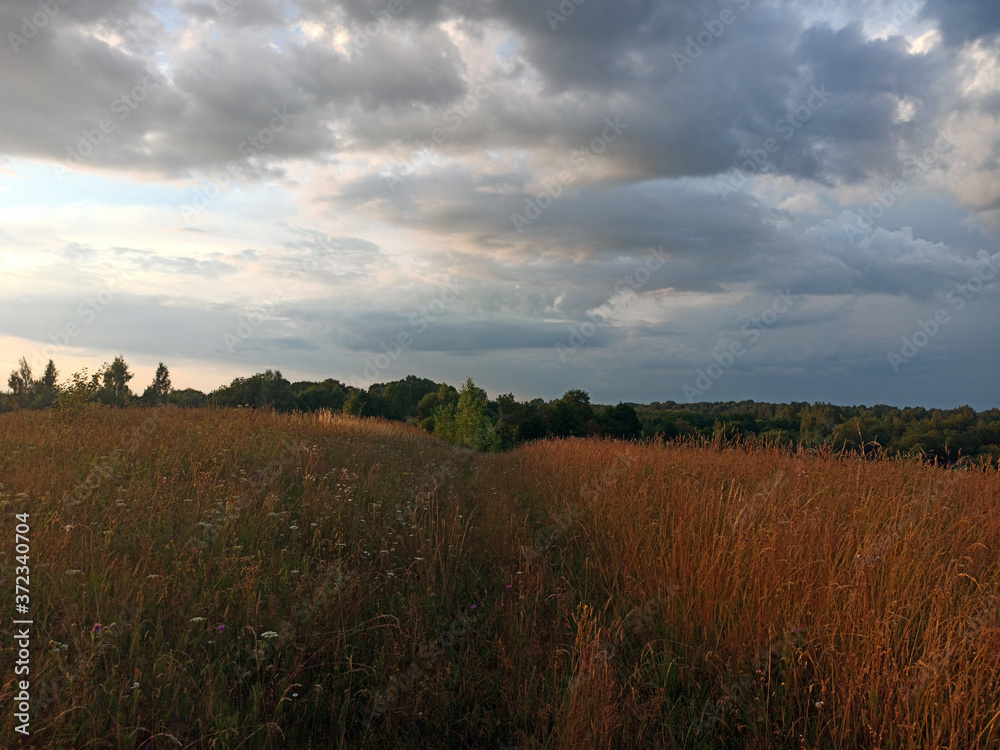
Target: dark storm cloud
<point>963,21</point>
<point>708,244</point>
<point>687,114</point>
<point>726,137</point>
<point>457,334</point>
<point>196,107</point>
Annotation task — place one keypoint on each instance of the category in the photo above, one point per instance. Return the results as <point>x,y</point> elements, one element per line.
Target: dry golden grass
<point>380,589</point>
<point>778,600</point>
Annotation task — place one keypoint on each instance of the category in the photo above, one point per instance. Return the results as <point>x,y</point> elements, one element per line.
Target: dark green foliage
<point>330,394</point>
<point>264,390</point>
<point>188,398</point>
<point>158,392</point>
<point>945,436</point>
<point>114,382</point>
<point>28,393</point>
<point>941,435</point>
<point>620,422</point>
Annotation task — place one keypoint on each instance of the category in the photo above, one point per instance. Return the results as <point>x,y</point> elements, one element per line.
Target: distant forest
<point>468,417</point>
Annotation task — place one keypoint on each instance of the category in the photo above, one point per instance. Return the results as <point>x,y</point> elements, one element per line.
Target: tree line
<point>468,417</point>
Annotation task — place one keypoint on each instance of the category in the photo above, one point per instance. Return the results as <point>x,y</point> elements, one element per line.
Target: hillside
<point>223,578</point>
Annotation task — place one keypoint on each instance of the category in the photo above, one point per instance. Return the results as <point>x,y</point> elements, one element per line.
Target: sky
<point>649,200</point>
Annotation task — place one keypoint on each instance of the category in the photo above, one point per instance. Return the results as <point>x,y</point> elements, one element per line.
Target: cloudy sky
<point>645,199</point>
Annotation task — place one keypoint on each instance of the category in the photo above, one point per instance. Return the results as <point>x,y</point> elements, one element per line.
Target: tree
<point>21,380</point>
<point>509,414</point>
<point>265,390</point>
<point>468,422</point>
<point>46,389</point>
<point>330,394</point>
<point>426,406</point>
<point>533,424</point>
<point>80,391</point>
<point>353,404</point>
<point>159,391</point>
<point>571,414</point>
<point>443,423</point>
<point>189,398</point>
<point>621,422</point>
<point>442,400</point>
<point>397,400</point>
<point>115,379</point>
<point>48,381</point>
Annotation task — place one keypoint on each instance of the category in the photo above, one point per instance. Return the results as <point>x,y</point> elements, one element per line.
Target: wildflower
<point>73,572</point>
<point>220,627</point>
<point>293,527</point>
<point>96,629</point>
<point>153,575</point>
<point>197,619</point>
<point>269,634</point>
<point>473,606</point>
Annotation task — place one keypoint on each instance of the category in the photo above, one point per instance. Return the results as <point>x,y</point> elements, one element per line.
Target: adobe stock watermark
<point>753,330</point>
<point>714,29</point>
<point>958,297</point>
<point>364,34</point>
<point>553,188</point>
<point>562,13</point>
<point>250,147</point>
<point>32,26</point>
<point>93,138</point>
<point>757,161</point>
<point>579,335</point>
<point>419,321</point>
<point>915,167</point>
<point>262,311</point>
<point>453,119</point>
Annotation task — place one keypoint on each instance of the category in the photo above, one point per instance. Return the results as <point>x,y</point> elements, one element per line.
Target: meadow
<point>223,578</point>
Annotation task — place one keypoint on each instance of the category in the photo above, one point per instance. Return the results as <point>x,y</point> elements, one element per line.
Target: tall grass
<point>226,578</point>
<point>767,599</point>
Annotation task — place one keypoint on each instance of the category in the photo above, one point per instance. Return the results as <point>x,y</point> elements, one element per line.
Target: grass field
<point>221,578</point>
